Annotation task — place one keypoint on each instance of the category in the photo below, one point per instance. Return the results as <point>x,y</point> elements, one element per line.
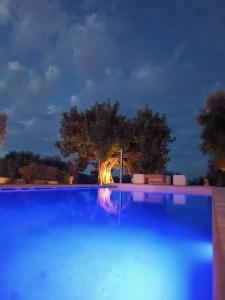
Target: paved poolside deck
<point>218,195</point>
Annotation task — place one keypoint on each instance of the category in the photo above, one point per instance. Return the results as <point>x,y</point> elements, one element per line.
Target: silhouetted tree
<point>99,132</point>
<point>73,169</point>
<point>212,119</point>
<point>29,172</point>
<point>19,159</point>
<point>53,161</point>
<point>151,138</point>
<point>215,176</point>
<point>3,167</point>
<point>3,125</point>
<point>96,134</point>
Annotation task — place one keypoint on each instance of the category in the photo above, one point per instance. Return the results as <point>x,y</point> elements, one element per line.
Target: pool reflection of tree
<point>82,207</point>
<point>104,201</point>
<point>111,206</point>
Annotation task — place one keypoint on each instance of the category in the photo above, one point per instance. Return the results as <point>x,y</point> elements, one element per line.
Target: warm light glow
<point>105,170</point>
<point>105,202</point>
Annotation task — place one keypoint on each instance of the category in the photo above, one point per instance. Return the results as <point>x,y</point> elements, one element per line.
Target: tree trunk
<point>105,169</point>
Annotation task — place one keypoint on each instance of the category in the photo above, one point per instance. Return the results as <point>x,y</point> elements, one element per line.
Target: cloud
<point>93,46</point>
<point>50,52</point>
<point>179,51</point>
<point>53,109</point>
<point>27,124</point>
<point>5,11</point>
<point>37,23</point>
<point>2,84</point>
<point>52,73</point>
<point>74,100</point>
<point>34,84</point>
<point>89,84</point>
<point>28,100</point>
<point>14,66</point>
<point>86,47</point>
<point>149,74</point>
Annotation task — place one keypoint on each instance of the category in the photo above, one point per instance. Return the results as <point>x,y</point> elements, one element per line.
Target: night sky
<point>54,54</point>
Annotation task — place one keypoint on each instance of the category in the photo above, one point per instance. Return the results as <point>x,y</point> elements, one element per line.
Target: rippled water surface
<point>103,244</point>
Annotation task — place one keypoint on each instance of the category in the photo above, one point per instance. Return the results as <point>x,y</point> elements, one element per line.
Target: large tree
<point>3,124</point>
<point>98,134</point>
<point>152,137</point>
<point>212,119</point>
<point>95,134</point>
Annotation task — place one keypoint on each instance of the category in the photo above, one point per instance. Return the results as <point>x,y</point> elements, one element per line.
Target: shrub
<point>29,172</point>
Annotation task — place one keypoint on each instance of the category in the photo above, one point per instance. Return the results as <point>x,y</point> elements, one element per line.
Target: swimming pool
<point>105,244</point>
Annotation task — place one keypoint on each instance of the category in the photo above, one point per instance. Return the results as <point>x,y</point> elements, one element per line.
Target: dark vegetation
<point>212,120</point>
<point>34,167</point>
<point>92,136</point>
<point>3,127</point>
<point>98,133</point>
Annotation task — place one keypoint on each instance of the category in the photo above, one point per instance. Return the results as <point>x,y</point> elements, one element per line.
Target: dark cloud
<point>169,55</point>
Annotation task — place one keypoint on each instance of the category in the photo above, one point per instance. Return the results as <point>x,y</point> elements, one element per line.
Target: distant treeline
<point>30,167</point>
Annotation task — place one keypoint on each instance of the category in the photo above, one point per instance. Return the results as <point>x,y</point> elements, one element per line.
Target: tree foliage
<point>19,159</point>
<point>3,124</point>
<point>215,176</point>
<point>3,167</point>
<point>212,119</point>
<point>100,132</point>
<point>151,138</point>
<point>29,172</point>
<point>95,134</point>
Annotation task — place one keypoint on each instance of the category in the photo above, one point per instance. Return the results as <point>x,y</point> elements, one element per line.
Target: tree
<point>53,161</point>
<point>212,119</point>
<point>47,164</point>
<point>152,137</point>
<point>17,160</point>
<point>3,167</point>
<point>73,169</point>
<point>215,176</point>
<point>98,134</point>
<point>3,124</point>
<point>29,172</point>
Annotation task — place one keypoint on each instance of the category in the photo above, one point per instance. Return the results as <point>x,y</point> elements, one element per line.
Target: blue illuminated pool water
<point>103,244</point>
